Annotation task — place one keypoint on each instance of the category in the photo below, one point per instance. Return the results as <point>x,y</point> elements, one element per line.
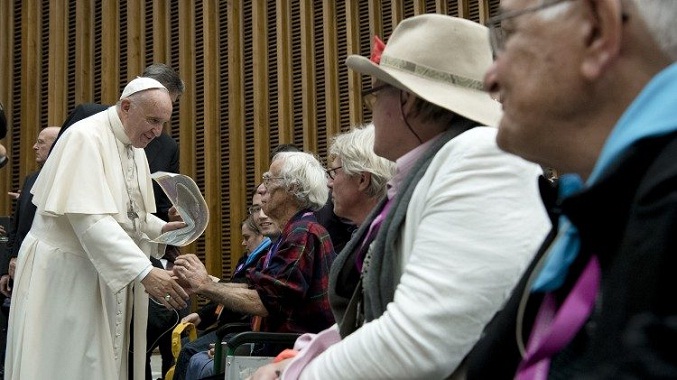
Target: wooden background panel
<point>257,73</point>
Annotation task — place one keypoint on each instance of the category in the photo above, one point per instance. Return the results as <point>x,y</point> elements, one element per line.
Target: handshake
<point>173,287</point>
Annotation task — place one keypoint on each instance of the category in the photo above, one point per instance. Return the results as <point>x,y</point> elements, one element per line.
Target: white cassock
<point>79,267</point>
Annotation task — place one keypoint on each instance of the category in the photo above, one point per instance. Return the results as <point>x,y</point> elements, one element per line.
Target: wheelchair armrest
<point>249,337</point>
<point>260,337</point>
<point>231,328</point>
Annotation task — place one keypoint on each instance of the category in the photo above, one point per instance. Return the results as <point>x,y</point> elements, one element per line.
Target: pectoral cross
<point>132,215</point>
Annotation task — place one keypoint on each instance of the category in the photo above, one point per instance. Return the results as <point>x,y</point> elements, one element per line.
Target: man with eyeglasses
<point>588,88</point>
<point>288,287</point>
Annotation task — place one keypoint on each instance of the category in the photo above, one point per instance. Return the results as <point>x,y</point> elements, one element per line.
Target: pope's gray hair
<point>304,177</point>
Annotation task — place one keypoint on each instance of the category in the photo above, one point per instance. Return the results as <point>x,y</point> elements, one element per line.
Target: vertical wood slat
<point>161,32</point>
<point>285,99</point>
<point>353,46</point>
<point>136,39</point>
<point>331,88</point>
<point>260,81</point>
<point>6,85</point>
<point>84,62</point>
<point>187,166</point>
<point>463,8</point>
<point>419,6</point>
<point>212,190</point>
<point>398,13</point>
<point>58,41</point>
<point>260,54</point>
<point>110,52</point>
<point>30,80</point>
<point>441,7</point>
<point>308,73</point>
<point>484,11</point>
<point>236,116</point>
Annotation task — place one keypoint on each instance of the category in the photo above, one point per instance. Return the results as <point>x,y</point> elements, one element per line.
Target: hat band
<point>429,73</point>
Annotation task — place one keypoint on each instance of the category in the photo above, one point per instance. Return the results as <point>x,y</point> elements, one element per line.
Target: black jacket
<point>629,220</point>
<point>22,219</point>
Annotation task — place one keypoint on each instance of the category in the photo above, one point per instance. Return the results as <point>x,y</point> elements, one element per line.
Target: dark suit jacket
<point>24,212</point>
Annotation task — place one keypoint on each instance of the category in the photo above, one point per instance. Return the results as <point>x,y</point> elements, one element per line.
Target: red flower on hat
<point>377,50</point>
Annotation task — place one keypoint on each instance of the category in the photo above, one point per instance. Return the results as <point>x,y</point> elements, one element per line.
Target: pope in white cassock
<point>80,266</point>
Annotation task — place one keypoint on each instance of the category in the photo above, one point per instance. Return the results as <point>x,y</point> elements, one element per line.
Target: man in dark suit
<point>163,155</point>
<point>24,210</point>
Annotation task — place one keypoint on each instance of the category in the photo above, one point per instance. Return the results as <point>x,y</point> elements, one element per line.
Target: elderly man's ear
<point>602,32</point>
<point>365,181</point>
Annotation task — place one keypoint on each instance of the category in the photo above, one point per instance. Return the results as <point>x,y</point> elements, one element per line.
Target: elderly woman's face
<point>345,190</point>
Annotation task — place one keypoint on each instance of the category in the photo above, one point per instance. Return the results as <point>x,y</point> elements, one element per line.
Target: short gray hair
<point>167,76</point>
<point>659,17</point>
<point>355,148</point>
<point>304,177</point>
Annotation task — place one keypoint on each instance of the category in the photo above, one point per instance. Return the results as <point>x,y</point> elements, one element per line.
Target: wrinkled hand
<point>171,226</point>
<point>193,318</point>
<point>4,286</point>
<point>173,215</point>
<point>190,272</point>
<point>270,371</point>
<point>160,284</point>
<point>12,267</point>
<point>14,194</point>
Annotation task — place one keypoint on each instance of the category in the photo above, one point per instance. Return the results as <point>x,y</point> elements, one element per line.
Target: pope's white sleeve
<point>116,257</point>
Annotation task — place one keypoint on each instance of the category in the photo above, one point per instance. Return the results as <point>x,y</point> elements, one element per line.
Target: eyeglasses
<point>254,209</point>
<point>332,172</point>
<point>267,178</point>
<point>369,96</point>
<point>498,36</point>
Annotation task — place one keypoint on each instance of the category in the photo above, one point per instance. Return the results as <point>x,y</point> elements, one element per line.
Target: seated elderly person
<point>436,260</point>
<point>357,180</point>
<point>290,289</point>
<point>357,176</point>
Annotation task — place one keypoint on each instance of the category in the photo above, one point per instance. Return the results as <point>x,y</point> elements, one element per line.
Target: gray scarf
<point>381,265</point>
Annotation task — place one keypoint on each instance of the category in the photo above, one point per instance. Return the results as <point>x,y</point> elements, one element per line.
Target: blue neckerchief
<point>256,253</point>
<point>651,114</point>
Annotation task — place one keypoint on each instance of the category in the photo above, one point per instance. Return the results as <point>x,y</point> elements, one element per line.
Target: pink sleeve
<point>309,347</point>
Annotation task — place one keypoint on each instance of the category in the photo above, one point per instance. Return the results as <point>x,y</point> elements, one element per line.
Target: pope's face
<point>145,115</point>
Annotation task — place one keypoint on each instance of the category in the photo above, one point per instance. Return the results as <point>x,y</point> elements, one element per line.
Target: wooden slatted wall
<point>258,73</point>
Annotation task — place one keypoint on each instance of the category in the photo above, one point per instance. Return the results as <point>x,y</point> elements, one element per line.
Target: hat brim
<point>473,104</point>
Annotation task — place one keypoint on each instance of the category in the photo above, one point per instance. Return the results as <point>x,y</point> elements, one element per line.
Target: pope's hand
<point>171,226</point>
<point>163,288</point>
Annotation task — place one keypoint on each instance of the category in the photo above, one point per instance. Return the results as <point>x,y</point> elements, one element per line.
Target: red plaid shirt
<point>293,285</point>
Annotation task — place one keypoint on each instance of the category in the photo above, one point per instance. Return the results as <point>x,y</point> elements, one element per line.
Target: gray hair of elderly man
<point>658,16</point>
<point>304,177</point>
<point>355,148</point>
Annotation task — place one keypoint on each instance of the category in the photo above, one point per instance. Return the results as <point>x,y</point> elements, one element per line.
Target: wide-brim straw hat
<point>441,59</point>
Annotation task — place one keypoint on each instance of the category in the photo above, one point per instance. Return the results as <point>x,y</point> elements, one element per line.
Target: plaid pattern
<point>293,286</point>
